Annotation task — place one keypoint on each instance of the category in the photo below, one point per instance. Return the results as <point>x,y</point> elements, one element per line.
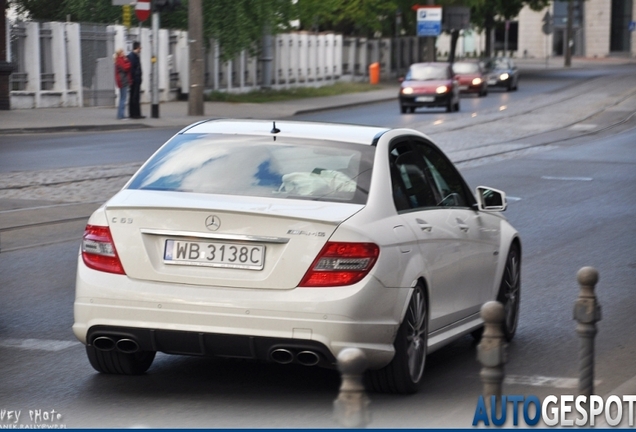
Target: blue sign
<point>429,28</point>
<point>632,26</point>
<point>429,21</point>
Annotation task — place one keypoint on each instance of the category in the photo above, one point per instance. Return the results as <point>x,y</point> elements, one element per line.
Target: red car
<point>471,77</point>
<point>429,85</point>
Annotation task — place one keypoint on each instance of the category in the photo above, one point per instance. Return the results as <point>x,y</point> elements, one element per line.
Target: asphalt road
<point>573,205</point>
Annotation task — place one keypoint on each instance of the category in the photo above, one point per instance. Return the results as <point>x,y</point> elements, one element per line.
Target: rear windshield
<point>261,167</point>
<point>427,73</point>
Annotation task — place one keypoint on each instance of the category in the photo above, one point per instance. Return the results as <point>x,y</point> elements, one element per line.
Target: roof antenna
<point>274,130</point>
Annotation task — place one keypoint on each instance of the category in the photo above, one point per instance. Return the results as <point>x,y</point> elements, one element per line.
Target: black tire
<point>115,362</point>
<point>510,292</point>
<point>450,107</point>
<point>411,110</point>
<point>403,109</point>
<point>509,88</point>
<point>404,374</point>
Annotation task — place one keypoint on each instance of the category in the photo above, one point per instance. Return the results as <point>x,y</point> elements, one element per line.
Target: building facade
<point>601,28</point>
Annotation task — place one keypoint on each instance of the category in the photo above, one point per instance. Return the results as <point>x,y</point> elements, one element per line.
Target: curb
<point>344,105</point>
<point>76,128</point>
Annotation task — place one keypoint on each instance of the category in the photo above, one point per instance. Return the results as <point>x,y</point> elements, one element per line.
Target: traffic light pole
<point>155,66</point>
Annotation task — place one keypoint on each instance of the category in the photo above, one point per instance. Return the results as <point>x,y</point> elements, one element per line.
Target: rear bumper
<point>242,323</point>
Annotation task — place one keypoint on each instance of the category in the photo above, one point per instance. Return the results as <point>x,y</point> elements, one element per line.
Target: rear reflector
<point>341,264</point>
<point>98,250</point>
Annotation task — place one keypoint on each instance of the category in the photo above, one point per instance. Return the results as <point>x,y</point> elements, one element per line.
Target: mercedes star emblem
<point>213,223</point>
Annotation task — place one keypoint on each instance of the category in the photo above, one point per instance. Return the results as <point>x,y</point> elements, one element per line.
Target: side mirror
<point>490,200</point>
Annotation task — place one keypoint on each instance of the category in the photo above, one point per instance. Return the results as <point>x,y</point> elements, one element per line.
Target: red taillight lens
<point>340,264</point>
<point>98,250</point>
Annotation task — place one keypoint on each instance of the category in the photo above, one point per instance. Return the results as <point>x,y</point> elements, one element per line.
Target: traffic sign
<point>548,24</point>
<point>429,21</point>
<point>632,26</point>
<point>142,10</point>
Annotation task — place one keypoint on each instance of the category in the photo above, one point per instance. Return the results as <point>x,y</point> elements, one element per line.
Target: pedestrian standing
<point>135,73</point>
<point>122,78</point>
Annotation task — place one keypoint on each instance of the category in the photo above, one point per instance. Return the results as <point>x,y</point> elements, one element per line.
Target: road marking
<point>567,178</point>
<point>543,381</point>
<point>511,198</point>
<point>37,344</point>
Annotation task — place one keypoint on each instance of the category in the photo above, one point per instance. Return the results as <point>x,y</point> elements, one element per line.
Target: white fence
<point>70,64</point>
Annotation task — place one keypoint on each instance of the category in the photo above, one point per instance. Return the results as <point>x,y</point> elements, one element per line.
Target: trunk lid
<point>220,240</point>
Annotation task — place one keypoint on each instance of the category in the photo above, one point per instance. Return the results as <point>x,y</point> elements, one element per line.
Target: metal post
<point>197,66</point>
<point>491,351</point>
<point>351,408</point>
<point>587,311</point>
<point>155,65</point>
<point>267,57</point>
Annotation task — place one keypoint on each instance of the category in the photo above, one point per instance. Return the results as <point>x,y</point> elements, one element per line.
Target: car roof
<point>295,129</point>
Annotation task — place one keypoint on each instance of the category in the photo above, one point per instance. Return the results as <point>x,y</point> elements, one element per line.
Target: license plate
<point>492,81</point>
<point>463,87</point>
<point>424,99</point>
<point>214,254</point>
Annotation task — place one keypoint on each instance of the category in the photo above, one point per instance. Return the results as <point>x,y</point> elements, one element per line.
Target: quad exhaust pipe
<point>285,356</point>
<point>124,345</point>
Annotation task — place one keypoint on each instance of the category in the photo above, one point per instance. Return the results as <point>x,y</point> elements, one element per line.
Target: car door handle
<point>424,226</point>
<point>462,226</point>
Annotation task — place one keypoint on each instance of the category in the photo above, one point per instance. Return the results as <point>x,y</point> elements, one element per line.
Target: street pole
<point>568,34</point>
<point>430,41</point>
<point>267,57</point>
<point>195,36</point>
<point>506,38</point>
<point>5,67</point>
<point>155,66</point>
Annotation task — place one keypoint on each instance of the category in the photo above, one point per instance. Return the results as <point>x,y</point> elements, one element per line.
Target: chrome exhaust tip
<point>308,358</point>
<point>127,346</point>
<point>282,356</point>
<point>104,343</point>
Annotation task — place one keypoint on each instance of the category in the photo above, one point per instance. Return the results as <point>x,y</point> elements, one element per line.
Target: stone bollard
<point>587,311</point>
<point>491,351</point>
<point>351,408</point>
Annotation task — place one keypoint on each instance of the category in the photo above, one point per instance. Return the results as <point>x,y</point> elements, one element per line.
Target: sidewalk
<point>175,114</point>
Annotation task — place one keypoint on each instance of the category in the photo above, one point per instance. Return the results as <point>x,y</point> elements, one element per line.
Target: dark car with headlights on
<point>471,77</point>
<point>429,85</point>
<point>502,72</point>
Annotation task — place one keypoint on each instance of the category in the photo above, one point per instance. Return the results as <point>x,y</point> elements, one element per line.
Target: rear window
<point>261,167</point>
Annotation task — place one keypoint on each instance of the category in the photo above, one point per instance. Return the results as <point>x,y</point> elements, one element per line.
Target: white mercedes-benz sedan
<point>289,242</point>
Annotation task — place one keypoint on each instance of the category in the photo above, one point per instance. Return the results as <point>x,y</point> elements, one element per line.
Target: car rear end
<point>237,245</point>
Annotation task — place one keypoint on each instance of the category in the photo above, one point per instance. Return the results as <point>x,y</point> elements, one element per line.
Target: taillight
<point>340,264</point>
<point>98,250</point>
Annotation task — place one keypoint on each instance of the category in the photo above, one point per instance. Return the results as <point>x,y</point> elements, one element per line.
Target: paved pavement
<point>539,123</point>
<point>175,114</point>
